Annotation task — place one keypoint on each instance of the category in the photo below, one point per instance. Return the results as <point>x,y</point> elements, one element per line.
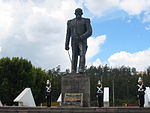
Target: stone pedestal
<point>75,90</point>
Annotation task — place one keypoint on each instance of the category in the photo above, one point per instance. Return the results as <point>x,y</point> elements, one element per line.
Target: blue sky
<point>36,29</point>
<point>127,31</point>
<point>123,34</point>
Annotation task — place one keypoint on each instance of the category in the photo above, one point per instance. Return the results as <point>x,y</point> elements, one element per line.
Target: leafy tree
<point>15,74</point>
<point>39,83</point>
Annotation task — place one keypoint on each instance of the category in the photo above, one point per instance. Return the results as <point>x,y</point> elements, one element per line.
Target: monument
<point>25,98</point>
<point>75,90</point>
<point>78,30</point>
<point>147,97</point>
<point>59,99</point>
<point>106,97</point>
<point>1,104</point>
<point>76,86</point>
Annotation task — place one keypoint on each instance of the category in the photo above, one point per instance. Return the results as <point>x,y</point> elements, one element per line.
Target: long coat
<point>78,31</point>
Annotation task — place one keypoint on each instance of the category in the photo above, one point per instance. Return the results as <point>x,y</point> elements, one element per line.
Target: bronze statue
<point>78,29</point>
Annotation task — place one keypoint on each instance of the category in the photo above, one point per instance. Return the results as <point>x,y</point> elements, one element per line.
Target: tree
<point>39,83</point>
<point>55,78</point>
<point>15,74</point>
<point>148,70</point>
<point>124,83</point>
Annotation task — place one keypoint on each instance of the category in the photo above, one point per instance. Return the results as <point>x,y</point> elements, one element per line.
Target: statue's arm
<point>88,32</point>
<point>67,36</point>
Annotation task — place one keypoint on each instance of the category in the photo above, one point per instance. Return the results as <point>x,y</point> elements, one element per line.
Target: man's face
<point>140,82</point>
<point>78,15</point>
<point>99,85</point>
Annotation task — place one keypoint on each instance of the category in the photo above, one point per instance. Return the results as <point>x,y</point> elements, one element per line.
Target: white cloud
<point>139,60</point>
<point>133,7</point>
<point>146,17</point>
<point>136,7</point>
<point>94,45</point>
<point>99,7</point>
<point>96,63</point>
<point>5,19</point>
<point>36,30</point>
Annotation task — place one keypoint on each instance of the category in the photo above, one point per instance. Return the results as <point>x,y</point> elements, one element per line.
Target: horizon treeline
<point>16,74</point>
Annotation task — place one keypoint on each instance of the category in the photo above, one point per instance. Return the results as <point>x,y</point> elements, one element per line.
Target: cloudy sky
<point>35,29</point>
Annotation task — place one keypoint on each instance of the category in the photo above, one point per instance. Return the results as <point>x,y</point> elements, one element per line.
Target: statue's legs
<point>82,60</point>
<point>75,52</point>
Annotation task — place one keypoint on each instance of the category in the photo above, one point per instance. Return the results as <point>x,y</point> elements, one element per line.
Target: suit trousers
<point>141,99</point>
<point>78,49</point>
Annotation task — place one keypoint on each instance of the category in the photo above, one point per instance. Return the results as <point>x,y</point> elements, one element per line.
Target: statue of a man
<point>78,29</point>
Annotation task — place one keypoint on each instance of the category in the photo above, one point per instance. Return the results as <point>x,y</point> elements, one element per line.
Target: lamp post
<point>113,88</point>
<point>113,91</point>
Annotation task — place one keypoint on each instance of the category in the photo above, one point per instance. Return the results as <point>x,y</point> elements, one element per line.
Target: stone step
<point>73,110</point>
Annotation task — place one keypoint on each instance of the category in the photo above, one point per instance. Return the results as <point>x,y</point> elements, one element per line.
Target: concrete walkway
<point>73,110</point>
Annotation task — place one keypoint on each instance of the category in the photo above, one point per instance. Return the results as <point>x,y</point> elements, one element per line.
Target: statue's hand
<point>82,38</point>
<point>66,47</point>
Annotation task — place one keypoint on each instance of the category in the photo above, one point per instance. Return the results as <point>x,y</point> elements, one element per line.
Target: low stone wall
<point>73,110</point>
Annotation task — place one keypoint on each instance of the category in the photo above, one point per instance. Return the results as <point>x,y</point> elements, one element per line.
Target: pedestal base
<point>75,90</point>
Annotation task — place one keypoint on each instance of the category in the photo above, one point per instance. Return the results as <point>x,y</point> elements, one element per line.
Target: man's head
<point>48,82</point>
<point>140,81</point>
<point>99,83</point>
<point>78,13</point>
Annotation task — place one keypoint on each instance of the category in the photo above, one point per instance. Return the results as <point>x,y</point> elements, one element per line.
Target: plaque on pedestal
<point>76,90</point>
<point>75,99</point>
